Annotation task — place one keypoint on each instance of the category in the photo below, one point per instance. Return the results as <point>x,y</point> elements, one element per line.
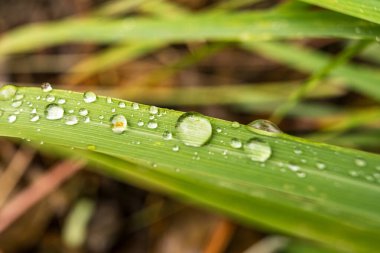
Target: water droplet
<point>264,125</point>
<point>71,120</point>
<point>54,112</point>
<point>235,124</point>
<point>113,110</point>
<point>46,87</point>
<point>293,166</point>
<point>153,109</point>
<point>83,112</point>
<point>193,129</point>
<point>87,120</point>
<point>135,106</point>
<point>298,151</point>
<point>12,118</point>
<point>119,124</point>
<point>360,162</point>
<point>34,110</point>
<point>89,97</point>
<point>175,148</point>
<point>61,101</point>
<point>301,174</point>
<point>71,111</point>
<point>167,135</point>
<point>34,117</point>
<point>236,143</point>
<point>19,96</point>
<point>109,100</point>
<point>321,166</point>
<point>140,123</point>
<point>218,130</point>
<point>17,104</point>
<point>121,105</point>
<point>50,98</point>
<point>7,92</point>
<point>152,125</point>
<point>354,173</point>
<point>257,149</point>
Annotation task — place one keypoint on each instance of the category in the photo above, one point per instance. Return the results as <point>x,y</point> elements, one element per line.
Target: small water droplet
<point>50,98</point>
<point>83,112</point>
<point>12,118</point>
<point>353,173</point>
<point>7,92</point>
<point>71,111</point>
<point>101,117</point>
<point>152,125</point>
<point>17,104</point>
<point>34,117</point>
<point>301,174</point>
<point>135,106</point>
<point>140,123</point>
<point>235,124</point>
<point>167,135</point>
<point>264,125</point>
<point>89,97</point>
<point>236,143</point>
<point>218,130</point>
<point>38,97</point>
<point>46,87</point>
<point>175,148</point>
<point>121,105</point>
<point>113,110</point>
<point>91,147</point>
<point>109,100</point>
<point>34,110</point>
<point>54,112</point>
<point>360,162</point>
<point>119,124</point>
<point>257,149</point>
<point>193,129</point>
<point>153,109</point>
<point>293,167</point>
<point>297,151</point>
<point>19,96</point>
<point>71,120</point>
<point>61,101</point>
<point>321,166</point>
<point>87,120</point>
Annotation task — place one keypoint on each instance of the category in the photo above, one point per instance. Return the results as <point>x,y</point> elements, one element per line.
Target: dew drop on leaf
<point>12,118</point>
<point>175,148</point>
<point>34,117</point>
<point>54,112</point>
<point>71,120</point>
<point>264,125</point>
<point>153,109</point>
<point>236,143</point>
<point>83,112</point>
<point>235,124</point>
<point>321,165</point>
<point>167,135</point>
<point>152,125</point>
<point>135,106</point>
<point>360,162</point>
<point>7,92</point>
<point>46,87</point>
<point>17,103</point>
<point>193,129</point>
<point>121,105</point>
<point>61,101</point>
<point>89,97</point>
<point>257,150</point>
<point>118,124</point>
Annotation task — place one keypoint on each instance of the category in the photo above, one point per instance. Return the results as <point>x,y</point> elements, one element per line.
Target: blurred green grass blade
<point>311,190</point>
<point>249,94</point>
<point>117,7</point>
<point>316,78</point>
<point>368,9</point>
<point>244,26</point>
<point>361,79</point>
<point>107,59</point>
<point>372,53</point>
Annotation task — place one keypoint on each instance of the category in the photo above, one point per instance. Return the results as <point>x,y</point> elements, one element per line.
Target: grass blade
<point>303,188</point>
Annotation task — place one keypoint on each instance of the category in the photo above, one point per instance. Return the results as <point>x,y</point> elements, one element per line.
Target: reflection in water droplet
<point>153,109</point>
<point>175,148</point>
<point>83,112</point>
<point>360,162</point>
<point>236,143</point>
<point>354,173</point>
<point>89,97</point>
<point>193,129</point>
<point>46,87</point>
<point>167,135</point>
<point>54,112</point>
<point>264,125</point>
<point>7,92</point>
<point>34,117</point>
<point>152,125</point>
<point>71,120</point>
<point>257,149</point>
<point>119,124</point>
<point>12,118</point>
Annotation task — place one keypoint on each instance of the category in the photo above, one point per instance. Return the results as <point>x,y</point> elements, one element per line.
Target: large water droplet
<point>321,165</point>
<point>71,120</point>
<point>257,149</point>
<point>236,143</point>
<point>119,124</point>
<point>264,125</point>
<point>193,129</point>
<point>54,112</point>
<point>89,97</point>
<point>46,87</point>
<point>7,92</point>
